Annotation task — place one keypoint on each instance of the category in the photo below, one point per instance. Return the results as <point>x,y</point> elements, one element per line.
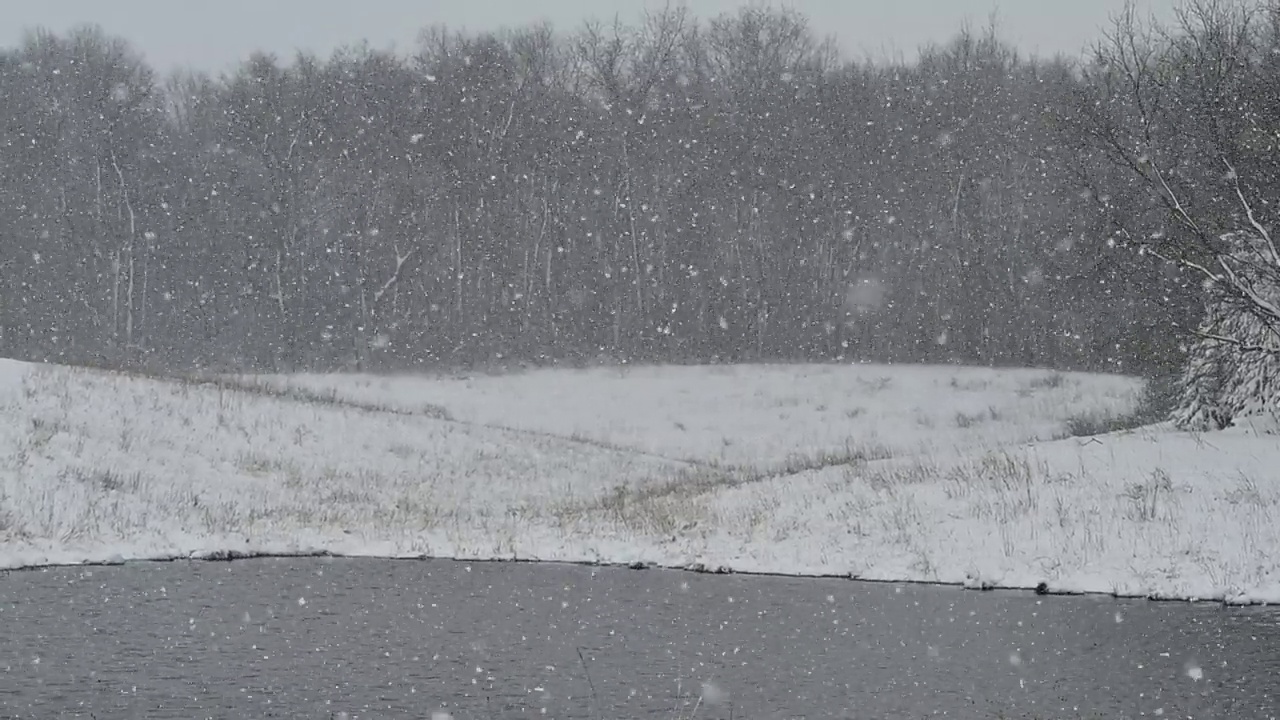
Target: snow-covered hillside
<point>897,473</point>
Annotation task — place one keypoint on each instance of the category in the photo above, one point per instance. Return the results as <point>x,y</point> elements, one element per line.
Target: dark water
<point>385,639</point>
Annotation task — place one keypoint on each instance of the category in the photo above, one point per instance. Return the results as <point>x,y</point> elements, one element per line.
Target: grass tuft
<point>852,454</point>
<point>1148,497</point>
<point>964,421</point>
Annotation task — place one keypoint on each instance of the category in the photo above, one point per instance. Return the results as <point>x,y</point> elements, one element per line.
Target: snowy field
<point>958,475</point>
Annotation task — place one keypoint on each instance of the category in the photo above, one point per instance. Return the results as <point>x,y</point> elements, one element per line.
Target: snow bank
<point>894,473</point>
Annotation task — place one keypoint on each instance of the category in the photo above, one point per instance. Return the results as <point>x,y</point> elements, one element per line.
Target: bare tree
<point>1179,116</point>
<point>662,191</point>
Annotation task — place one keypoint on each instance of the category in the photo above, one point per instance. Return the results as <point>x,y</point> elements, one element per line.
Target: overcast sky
<point>213,35</point>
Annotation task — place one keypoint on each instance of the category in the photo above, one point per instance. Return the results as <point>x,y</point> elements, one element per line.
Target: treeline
<point>674,190</point>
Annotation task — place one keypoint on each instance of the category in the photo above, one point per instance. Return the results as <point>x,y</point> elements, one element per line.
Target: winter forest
<point>676,189</point>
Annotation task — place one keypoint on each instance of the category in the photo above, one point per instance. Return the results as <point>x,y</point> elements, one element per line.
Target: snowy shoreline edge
<point>225,556</point>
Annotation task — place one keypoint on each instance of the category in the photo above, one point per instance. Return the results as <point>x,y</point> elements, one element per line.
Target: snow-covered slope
<point>897,473</point>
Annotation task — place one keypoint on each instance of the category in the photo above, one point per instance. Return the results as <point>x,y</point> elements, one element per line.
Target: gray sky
<point>215,34</point>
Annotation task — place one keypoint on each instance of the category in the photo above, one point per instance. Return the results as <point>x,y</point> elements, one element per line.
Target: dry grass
<point>296,393</point>
<point>1149,499</point>
<point>853,454</point>
<point>674,505</point>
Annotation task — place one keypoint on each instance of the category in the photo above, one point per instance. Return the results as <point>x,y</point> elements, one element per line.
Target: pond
<point>359,638</point>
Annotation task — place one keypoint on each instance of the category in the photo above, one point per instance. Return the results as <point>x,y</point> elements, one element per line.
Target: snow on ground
<point>756,413</point>
<point>896,473</point>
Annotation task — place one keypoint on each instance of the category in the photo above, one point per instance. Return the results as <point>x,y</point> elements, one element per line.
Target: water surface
<point>321,638</point>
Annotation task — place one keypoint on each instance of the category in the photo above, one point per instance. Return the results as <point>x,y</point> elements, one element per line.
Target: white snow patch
<point>12,374</point>
<point>713,694</point>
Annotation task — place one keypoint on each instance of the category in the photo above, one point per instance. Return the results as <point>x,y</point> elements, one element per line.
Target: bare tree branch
<point>395,274</point>
<point>1248,209</point>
